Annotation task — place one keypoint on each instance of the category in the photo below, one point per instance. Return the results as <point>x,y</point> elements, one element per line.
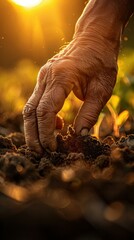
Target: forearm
<point>107,17</point>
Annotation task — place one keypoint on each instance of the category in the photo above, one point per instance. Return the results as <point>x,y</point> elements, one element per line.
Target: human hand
<point>88,67</point>
<point>89,71</point>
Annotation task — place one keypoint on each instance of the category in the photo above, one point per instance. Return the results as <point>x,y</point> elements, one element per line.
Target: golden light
<point>27,3</point>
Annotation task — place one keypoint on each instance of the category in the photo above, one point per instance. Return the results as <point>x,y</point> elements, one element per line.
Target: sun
<point>27,3</point>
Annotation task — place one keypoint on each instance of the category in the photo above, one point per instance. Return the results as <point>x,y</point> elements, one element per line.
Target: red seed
<point>59,122</point>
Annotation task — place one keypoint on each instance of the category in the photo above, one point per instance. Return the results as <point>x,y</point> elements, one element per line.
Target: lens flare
<point>27,3</point>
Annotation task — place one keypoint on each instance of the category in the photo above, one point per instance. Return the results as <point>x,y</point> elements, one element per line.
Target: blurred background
<point>31,32</point>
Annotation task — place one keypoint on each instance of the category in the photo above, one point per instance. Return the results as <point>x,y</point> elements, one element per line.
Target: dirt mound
<point>18,163</point>
<point>86,183</point>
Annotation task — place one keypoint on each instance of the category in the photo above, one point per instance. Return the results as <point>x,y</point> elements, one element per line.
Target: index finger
<point>50,104</point>
<point>29,114</point>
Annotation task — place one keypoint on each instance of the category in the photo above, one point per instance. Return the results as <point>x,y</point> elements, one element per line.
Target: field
<point>85,189</point>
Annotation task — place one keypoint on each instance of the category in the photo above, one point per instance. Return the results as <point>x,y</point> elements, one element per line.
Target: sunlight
<point>27,3</point>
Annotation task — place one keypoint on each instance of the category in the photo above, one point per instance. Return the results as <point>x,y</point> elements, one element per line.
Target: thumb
<point>87,116</point>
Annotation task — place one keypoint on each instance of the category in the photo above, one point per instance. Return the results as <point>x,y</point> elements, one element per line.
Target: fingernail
<point>84,132</point>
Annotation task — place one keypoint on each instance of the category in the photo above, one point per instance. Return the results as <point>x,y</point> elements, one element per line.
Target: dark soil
<point>84,190</point>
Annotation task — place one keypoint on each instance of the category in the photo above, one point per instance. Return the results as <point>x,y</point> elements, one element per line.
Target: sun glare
<point>27,3</point>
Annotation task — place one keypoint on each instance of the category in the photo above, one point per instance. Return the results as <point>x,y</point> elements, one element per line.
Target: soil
<point>84,190</point>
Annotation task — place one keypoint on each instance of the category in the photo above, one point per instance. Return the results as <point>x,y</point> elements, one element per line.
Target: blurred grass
<point>16,86</point>
<point>125,82</point>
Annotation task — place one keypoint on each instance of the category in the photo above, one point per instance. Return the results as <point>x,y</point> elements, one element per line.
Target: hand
<point>87,66</point>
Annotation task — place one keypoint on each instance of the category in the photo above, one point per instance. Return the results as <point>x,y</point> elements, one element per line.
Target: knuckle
<point>28,111</point>
<point>42,110</point>
<point>42,73</point>
<point>43,69</point>
<point>63,67</point>
<point>58,69</point>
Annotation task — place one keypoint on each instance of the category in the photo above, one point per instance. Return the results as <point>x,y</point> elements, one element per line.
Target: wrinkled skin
<point>88,67</point>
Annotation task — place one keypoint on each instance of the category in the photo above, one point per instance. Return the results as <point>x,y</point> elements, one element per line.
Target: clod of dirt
<point>91,147</point>
<point>102,161</point>
<point>126,142</point>
<point>127,155</point>
<point>45,167</point>
<point>31,155</point>
<point>17,138</point>
<point>6,145</point>
<point>109,140</point>
<point>22,165</point>
<point>17,168</point>
<point>72,148</point>
<point>124,150</point>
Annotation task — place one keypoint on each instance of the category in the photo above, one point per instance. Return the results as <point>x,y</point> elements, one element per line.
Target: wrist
<point>104,18</point>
